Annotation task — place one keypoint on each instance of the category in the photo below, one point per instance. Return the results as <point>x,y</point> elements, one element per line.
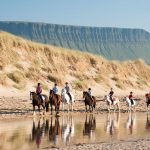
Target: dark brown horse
<point>90,101</point>
<point>36,101</point>
<point>37,132</point>
<point>147,96</point>
<point>54,100</point>
<point>89,125</point>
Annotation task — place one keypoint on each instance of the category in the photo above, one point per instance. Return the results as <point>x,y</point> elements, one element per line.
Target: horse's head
<point>51,93</point>
<point>84,93</point>
<point>31,95</point>
<point>147,95</point>
<point>63,91</point>
<point>106,97</point>
<point>124,98</point>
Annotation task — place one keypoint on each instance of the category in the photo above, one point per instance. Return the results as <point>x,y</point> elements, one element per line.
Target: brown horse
<point>38,131</point>
<point>147,96</point>
<point>55,100</point>
<point>36,101</point>
<point>91,101</point>
<point>89,125</point>
<point>54,130</point>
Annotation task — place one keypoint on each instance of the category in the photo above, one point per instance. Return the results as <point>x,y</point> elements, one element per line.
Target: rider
<point>39,91</point>
<point>111,94</point>
<point>55,89</point>
<point>68,90</point>
<point>131,97</point>
<point>90,93</point>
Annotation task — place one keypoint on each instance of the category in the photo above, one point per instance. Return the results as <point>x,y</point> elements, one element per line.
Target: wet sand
<point>12,107</point>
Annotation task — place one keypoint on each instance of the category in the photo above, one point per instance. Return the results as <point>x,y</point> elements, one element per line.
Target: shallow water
<point>24,134</point>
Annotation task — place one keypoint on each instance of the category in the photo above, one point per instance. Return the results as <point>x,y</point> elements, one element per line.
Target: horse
<point>147,123</point>
<point>38,132</point>
<point>147,96</point>
<point>130,122</point>
<point>55,100</point>
<point>129,104</point>
<point>36,101</point>
<point>109,102</point>
<point>89,126</point>
<point>112,123</point>
<point>90,101</point>
<point>54,130</point>
<point>66,99</point>
<point>68,129</point>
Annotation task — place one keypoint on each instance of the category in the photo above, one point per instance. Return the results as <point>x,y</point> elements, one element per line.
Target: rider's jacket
<point>38,90</point>
<point>55,89</point>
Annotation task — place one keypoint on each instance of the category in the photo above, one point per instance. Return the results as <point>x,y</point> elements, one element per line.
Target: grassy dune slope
<point>24,63</point>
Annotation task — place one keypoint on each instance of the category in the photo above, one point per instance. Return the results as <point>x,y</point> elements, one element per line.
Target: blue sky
<point>101,13</point>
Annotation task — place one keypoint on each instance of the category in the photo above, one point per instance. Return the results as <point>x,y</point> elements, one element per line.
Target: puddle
<point>70,129</point>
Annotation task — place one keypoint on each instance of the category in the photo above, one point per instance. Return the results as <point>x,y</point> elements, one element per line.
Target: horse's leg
<point>43,109</point>
<point>62,106</point>
<point>86,108</point>
<point>39,108</point>
<point>33,109</point>
<point>71,106</point>
<point>114,108</point>
<point>68,107</point>
<point>109,107</point>
<point>118,107</point>
<point>147,106</point>
<point>51,109</point>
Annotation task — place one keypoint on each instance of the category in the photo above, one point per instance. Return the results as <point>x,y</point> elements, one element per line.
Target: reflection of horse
<point>89,126</point>
<point>67,129</point>
<point>109,102</point>
<point>147,123</point>
<point>130,105</point>
<point>66,99</point>
<point>36,101</point>
<point>54,130</point>
<point>55,100</point>
<point>112,123</point>
<point>130,122</point>
<point>147,96</point>
<point>38,132</point>
<point>91,101</point>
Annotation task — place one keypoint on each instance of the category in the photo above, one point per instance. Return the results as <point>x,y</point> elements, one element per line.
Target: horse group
<point>53,100</point>
<point>90,101</point>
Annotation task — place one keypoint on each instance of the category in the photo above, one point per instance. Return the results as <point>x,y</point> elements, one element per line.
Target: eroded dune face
<point>24,63</point>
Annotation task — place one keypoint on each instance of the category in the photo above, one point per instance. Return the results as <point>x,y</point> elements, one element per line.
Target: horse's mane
<point>147,95</point>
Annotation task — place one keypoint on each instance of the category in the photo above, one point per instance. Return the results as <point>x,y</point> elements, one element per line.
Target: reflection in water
<point>72,129</point>
<point>131,122</point>
<point>67,129</point>
<point>54,130</point>
<point>147,123</point>
<point>38,131</point>
<point>89,125</point>
<point>112,123</point>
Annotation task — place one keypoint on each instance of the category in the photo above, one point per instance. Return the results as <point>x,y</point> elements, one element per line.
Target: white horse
<point>113,122</point>
<point>68,129</point>
<point>66,99</point>
<point>131,122</point>
<point>109,102</point>
<point>129,104</point>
